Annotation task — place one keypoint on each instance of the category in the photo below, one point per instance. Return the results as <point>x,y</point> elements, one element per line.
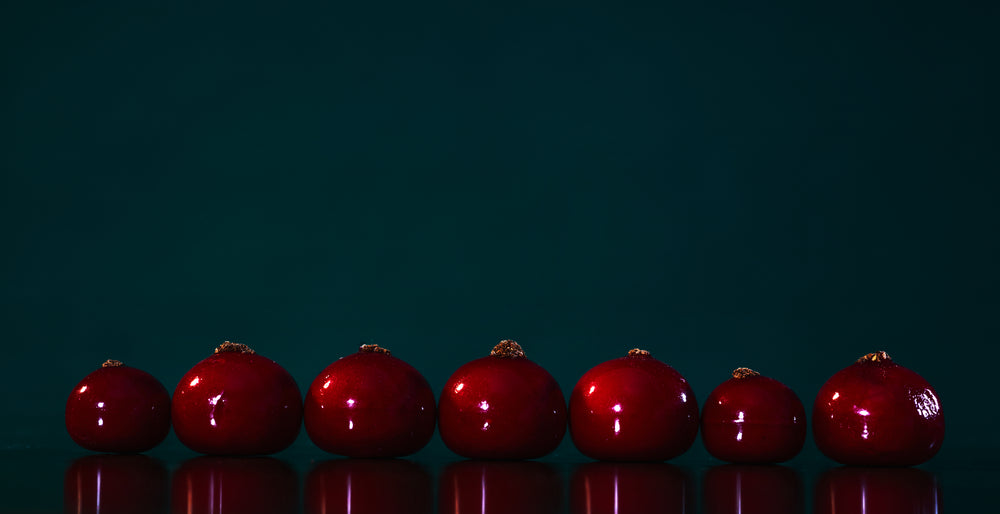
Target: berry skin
<point>236,402</point>
<point>634,408</point>
<point>752,419</point>
<point>502,407</point>
<point>878,413</point>
<point>370,404</point>
<point>118,409</point>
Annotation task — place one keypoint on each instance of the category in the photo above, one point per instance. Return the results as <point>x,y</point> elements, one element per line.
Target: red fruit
<point>753,419</point>
<point>111,484</point>
<point>878,413</point>
<point>363,486</point>
<point>502,407</point>
<point>236,402</point>
<point>752,490</point>
<point>242,485</point>
<point>630,487</point>
<point>634,408</point>
<point>486,487</point>
<point>370,404</point>
<point>118,409</point>
<point>877,490</point>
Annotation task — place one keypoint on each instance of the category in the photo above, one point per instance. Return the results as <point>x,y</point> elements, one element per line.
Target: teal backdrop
<point>729,185</point>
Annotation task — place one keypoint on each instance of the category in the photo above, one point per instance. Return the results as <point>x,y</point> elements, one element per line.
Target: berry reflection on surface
<point>486,487</point>
<point>368,486</point>
<point>622,488</point>
<point>111,484</point>
<point>246,485</point>
<point>850,490</point>
<point>746,489</point>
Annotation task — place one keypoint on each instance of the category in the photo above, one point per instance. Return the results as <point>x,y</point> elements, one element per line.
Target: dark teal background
<point>730,185</point>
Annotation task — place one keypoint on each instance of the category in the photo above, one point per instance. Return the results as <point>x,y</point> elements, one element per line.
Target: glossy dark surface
<point>237,404</point>
<point>879,414</point>
<point>370,405</point>
<point>855,490</point>
<point>502,408</point>
<point>359,486</point>
<point>633,408</point>
<point>118,409</point>
<point>746,489</point>
<point>115,484</point>
<point>494,486</point>
<point>754,419</point>
<point>234,485</point>
<point>631,488</point>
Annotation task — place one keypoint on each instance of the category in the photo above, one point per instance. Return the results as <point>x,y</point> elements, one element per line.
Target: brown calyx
<point>635,352</point>
<point>111,363</point>
<point>234,347</point>
<point>374,348</point>
<point>744,373</point>
<point>508,349</point>
<point>875,357</point>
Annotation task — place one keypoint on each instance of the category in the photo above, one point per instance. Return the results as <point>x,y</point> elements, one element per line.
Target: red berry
<point>630,487</point>
<point>753,419</point>
<point>118,409</point>
<point>878,413</point>
<point>361,486</point>
<point>849,490</point>
<point>634,408</point>
<point>487,486</point>
<point>370,404</point>
<point>111,484</point>
<point>502,407</point>
<point>752,490</point>
<point>236,402</point>
<point>247,485</point>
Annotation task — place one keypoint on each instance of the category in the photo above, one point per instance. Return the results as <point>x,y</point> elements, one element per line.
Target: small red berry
<point>753,419</point>
<point>634,408</point>
<point>370,404</point>
<point>369,486</point>
<point>852,490</point>
<point>236,402</point>
<point>118,409</point>
<point>502,407</point>
<point>878,413</point>
<point>247,485</point>
<point>113,484</point>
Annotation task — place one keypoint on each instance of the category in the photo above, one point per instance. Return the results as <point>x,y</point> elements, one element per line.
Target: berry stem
<point>234,347</point>
<point>744,373</point>
<point>374,348</point>
<point>508,349</point>
<point>875,357</point>
<point>635,352</point>
<point>111,363</point>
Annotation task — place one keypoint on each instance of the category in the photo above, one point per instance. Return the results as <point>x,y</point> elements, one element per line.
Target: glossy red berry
<point>118,409</point>
<point>634,408</point>
<point>878,413</point>
<point>502,407</point>
<point>753,419</point>
<point>237,402</point>
<point>370,404</point>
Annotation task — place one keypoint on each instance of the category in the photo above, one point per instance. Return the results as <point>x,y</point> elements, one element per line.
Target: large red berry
<point>753,419</point>
<point>236,402</point>
<point>118,409</point>
<point>502,407</point>
<point>878,413</point>
<point>370,404</point>
<point>634,408</point>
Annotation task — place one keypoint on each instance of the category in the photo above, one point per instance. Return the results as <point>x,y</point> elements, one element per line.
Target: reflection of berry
<point>878,413</point>
<point>634,408</point>
<point>753,419</point>
<point>118,409</point>
<point>502,407</point>
<point>370,404</point>
<point>236,402</point>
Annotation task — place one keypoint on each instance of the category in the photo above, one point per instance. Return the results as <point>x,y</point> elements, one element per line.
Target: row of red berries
<point>504,406</point>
